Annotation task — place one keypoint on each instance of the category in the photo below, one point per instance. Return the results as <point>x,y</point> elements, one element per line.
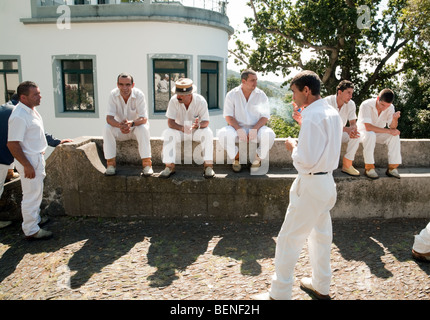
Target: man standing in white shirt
<point>27,144</point>
<point>246,111</point>
<point>343,103</point>
<point>127,118</point>
<point>188,120</point>
<point>313,194</point>
<point>377,123</point>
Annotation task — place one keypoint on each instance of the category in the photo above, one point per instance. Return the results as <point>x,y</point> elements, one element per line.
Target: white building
<point>75,49</point>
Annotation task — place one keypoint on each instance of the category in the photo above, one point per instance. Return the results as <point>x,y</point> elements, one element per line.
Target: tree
<point>356,40</point>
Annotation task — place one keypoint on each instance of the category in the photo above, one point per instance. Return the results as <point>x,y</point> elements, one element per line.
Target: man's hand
<point>124,126</point>
<point>242,134</point>
<point>290,144</point>
<point>29,172</point>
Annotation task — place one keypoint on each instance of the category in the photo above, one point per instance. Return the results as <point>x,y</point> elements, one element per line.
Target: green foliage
<point>366,55</point>
<point>282,128</point>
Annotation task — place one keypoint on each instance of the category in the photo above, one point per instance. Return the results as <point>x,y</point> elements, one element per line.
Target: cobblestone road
<point>99,259</point>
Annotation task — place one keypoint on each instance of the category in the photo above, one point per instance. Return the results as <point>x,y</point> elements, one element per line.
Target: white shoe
<point>306,285</point>
<point>110,171</point>
<point>167,172</point>
<point>209,172</point>
<point>371,174</point>
<point>42,234</point>
<point>4,224</point>
<point>236,166</point>
<point>147,171</point>
<point>262,296</point>
<point>351,171</point>
<point>393,173</point>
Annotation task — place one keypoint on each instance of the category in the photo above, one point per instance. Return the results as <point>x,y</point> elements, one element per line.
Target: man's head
<point>184,89</point>
<point>125,84</point>
<point>249,79</point>
<point>345,90</point>
<point>385,99</point>
<point>29,94</point>
<point>306,88</point>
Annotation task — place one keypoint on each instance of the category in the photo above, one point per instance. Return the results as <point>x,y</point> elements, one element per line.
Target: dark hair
<point>24,88</point>
<point>245,74</point>
<point>386,95</point>
<point>125,75</point>
<point>343,85</point>
<point>307,79</point>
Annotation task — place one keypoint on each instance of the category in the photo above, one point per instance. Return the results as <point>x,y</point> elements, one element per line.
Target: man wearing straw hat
<point>188,120</point>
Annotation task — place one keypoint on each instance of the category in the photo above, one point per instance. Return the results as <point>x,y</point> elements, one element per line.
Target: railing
<point>213,5</point>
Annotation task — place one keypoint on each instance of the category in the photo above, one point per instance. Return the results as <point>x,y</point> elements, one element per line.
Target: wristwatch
<point>132,124</point>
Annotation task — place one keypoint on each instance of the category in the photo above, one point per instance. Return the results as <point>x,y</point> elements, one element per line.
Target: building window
<point>209,78</point>
<point>9,79</point>
<point>166,72</point>
<point>78,85</point>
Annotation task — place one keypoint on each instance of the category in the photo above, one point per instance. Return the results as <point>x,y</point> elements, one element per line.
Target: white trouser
<point>422,240</point>
<point>370,139</point>
<point>3,174</point>
<point>172,139</point>
<point>308,216</point>
<point>139,133</point>
<point>32,193</point>
<point>228,138</point>
<point>352,146</point>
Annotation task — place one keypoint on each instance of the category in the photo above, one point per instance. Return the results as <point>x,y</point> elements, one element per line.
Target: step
<point>76,186</point>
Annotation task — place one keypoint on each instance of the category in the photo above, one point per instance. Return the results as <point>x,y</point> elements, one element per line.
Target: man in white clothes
<point>127,118</point>
<point>343,103</point>
<point>188,120</point>
<point>312,195</point>
<point>27,143</point>
<point>421,246</point>
<point>377,123</point>
<point>246,111</point>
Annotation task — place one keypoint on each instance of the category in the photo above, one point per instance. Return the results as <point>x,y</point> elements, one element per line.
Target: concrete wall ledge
<point>76,186</point>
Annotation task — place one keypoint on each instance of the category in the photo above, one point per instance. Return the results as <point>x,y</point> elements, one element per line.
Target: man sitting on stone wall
<point>188,120</point>
<point>127,118</point>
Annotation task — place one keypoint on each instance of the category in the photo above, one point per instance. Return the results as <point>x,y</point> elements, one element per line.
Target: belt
<point>317,173</point>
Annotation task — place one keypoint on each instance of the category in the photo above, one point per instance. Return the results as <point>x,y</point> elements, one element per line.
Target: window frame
<point>59,90</point>
<point>208,72</point>
<point>151,83</point>
<point>4,72</point>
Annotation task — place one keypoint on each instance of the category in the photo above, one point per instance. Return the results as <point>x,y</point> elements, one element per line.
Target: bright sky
<point>237,10</point>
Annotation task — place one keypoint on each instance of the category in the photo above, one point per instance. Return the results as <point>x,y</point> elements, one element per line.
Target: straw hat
<point>184,86</point>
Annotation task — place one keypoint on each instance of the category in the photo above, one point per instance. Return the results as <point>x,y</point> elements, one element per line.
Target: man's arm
<point>371,127</point>
<point>16,150</point>
<point>240,132</point>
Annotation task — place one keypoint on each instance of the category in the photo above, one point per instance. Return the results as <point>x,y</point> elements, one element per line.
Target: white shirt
<point>369,114</point>
<point>26,126</point>
<point>133,109</point>
<point>320,138</point>
<point>348,110</point>
<point>246,113</point>
<point>198,108</point>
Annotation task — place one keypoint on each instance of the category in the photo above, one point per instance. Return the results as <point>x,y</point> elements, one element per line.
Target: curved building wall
<point>112,47</point>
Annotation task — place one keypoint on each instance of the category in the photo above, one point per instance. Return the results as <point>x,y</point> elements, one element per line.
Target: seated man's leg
<point>205,137</point>
<point>170,138</point>
<point>227,138</point>
<point>394,155</point>
<point>369,143</point>
<point>142,135</point>
<point>348,159</point>
<point>110,135</point>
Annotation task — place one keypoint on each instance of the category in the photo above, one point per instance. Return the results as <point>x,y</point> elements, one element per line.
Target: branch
<point>304,43</point>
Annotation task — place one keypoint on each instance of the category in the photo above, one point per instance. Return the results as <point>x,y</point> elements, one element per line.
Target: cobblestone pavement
<point>107,259</point>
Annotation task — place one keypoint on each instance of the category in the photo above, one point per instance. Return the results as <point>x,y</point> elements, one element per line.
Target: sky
<point>237,10</point>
